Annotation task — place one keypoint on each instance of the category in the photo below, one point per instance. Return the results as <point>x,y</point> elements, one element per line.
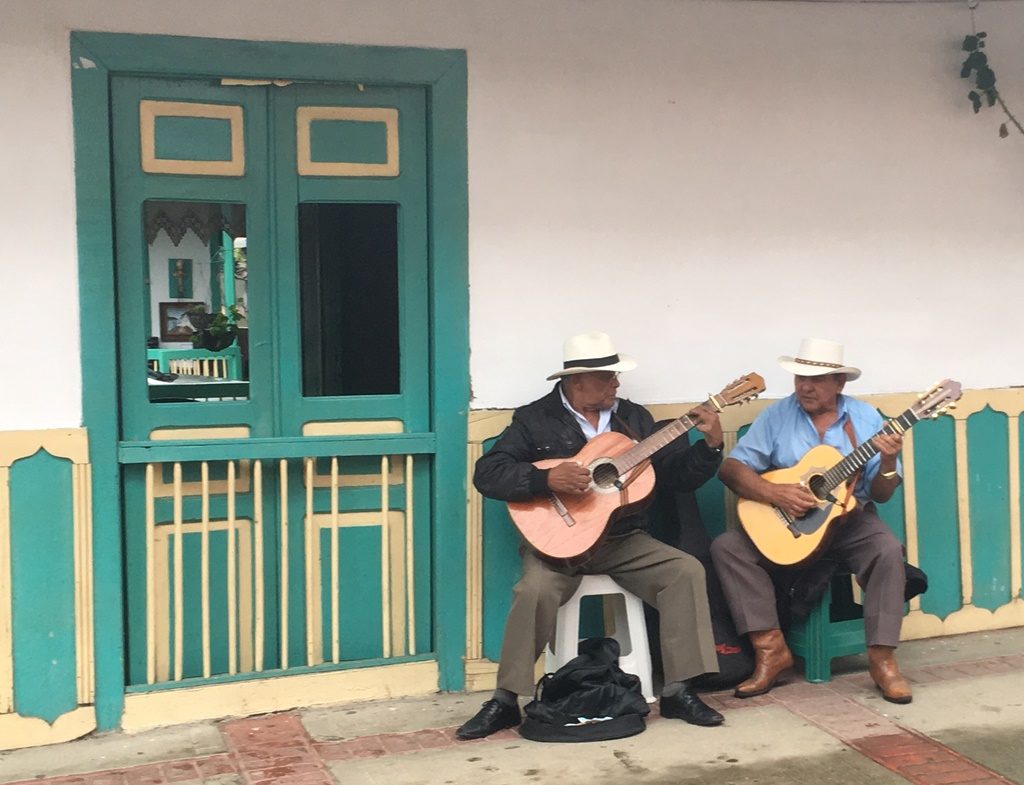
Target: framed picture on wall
<point>174,322</point>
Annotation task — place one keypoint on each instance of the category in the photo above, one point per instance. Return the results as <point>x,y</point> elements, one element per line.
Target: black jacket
<point>545,429</point>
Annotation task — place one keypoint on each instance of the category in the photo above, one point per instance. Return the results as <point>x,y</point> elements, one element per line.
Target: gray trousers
<point>660,575</point>
<point>863,543</point>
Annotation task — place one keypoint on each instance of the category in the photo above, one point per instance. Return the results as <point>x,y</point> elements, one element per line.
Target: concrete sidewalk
<point>966,725</point>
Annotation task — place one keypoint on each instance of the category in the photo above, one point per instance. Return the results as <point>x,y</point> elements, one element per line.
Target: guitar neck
<point>865,451</point>
<point>645,449</point>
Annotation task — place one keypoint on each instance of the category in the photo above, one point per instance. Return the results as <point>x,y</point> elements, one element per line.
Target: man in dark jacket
<point>583,404</point>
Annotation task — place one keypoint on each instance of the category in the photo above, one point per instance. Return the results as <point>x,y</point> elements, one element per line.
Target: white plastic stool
<point>630,631</point>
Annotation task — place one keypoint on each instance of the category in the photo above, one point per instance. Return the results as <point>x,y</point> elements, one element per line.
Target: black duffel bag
<point>589,698</point>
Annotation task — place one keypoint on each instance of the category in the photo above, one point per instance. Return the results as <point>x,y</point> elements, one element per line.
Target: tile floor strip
<point>916,758</point>
<point>275,748</point>
<point>923,761</point>
<point>163,773</point>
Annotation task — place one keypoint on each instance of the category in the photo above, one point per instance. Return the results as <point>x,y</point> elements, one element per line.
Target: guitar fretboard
<point>865,451</point>
<point>646,448</point>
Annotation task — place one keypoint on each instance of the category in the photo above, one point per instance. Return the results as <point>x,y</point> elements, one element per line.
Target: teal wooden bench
<point>834,628</point>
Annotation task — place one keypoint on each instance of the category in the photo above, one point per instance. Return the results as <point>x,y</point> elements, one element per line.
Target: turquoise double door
<point>274,374</point>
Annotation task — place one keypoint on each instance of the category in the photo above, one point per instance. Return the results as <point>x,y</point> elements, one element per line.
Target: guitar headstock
<point>937,399</point>
<point>741,390</point>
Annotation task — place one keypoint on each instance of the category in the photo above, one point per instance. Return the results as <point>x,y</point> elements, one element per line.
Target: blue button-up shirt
<point>784,432</point>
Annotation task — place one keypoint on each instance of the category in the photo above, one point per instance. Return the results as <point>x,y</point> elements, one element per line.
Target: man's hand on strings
<point>569,477</point>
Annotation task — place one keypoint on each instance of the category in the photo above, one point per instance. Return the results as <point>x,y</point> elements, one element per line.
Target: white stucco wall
<point>708,181</point>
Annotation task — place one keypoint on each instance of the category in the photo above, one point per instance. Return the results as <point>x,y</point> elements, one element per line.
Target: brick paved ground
<point>278,749</point>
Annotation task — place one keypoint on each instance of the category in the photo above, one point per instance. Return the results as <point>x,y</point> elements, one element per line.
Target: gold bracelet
<point>890,475</point>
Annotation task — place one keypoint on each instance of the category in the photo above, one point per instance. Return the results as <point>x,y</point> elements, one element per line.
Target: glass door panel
<point>191,224</point>
<point>197,341</point>
<point>348,267</point>
<point>352,162</point>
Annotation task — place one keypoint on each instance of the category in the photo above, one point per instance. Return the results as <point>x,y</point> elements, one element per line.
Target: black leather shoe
<point>493,717</point>
<point>686,705</point>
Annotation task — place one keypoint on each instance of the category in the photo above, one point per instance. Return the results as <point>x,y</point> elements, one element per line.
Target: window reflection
<point>197,287</point>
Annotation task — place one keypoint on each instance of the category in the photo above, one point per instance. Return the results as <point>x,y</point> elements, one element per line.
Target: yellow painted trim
<point>311,565</point>
<point>72,444</point>
<point>179,577</point>
<point>352,427</point>
<point>474,563</point>
<point>81,534</point>
<point>148,112</point>
<point>332,523</point>
<point>396,559</point>
<point>1013,445</point>
<point>973,619</point>
<point>481,675</point>
<point>6,597</point>
<point>18,732</point>
<point>258,618</point>
<point>488,423</point>
<point>150,574</point>
<point>910,507</point>
<point>259,696</point>
<point>232,569</point>
<point>395,477</point>
<point>917,625</point>
<point>283,548</point>
<point>204,555</point>
<point>963,506</point>
<point>87,620</point>
<point>163,490</point>
<point>304,117</point>
<point>162,608</point>
<point>410,570</point>
<point>221,432</point>
<point>335,556</point>
<point>385,557</point>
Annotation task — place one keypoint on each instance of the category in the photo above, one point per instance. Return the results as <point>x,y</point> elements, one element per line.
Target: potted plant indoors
<point>214,331</point>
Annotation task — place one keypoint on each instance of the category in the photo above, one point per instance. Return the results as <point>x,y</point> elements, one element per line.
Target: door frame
<point>95,57</point>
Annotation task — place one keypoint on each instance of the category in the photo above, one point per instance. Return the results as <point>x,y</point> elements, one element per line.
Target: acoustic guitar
<point>568,527</point>
<point>789,541</point>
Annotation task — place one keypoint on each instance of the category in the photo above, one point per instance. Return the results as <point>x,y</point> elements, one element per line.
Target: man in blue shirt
<point>816,413</point>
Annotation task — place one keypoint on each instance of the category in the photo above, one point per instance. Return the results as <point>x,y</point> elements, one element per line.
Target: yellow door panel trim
<point>150,110</point>
<point>18,732</point>
<point>304,117</point>
<point>260,696</point>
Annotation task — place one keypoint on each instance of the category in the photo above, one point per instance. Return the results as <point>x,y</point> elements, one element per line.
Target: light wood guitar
<point>568,527</point>
<point>789,541</point>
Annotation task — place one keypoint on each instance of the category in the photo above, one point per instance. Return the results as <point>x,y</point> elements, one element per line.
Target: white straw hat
<point>591,352</point>
<point>817,358</point>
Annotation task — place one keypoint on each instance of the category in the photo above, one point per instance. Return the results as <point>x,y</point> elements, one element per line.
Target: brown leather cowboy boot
<point>886,674</point>
<point>771,657</point>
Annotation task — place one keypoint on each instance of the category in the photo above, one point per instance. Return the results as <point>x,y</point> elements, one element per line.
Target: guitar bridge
<point>563,513</point>
<point>788,520</point>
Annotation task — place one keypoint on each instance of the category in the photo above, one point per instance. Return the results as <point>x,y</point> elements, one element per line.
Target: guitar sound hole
<point>818,487</point>
<point>605,475</point>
